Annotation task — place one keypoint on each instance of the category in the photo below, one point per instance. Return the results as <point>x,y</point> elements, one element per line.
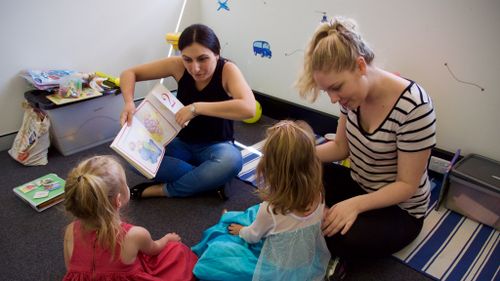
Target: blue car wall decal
<point>262,48</point>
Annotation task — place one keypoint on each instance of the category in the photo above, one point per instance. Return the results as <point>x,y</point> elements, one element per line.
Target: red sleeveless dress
<point>90,262</point>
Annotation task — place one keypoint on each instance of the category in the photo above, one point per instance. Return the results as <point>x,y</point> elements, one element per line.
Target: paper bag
<point>32,142</point>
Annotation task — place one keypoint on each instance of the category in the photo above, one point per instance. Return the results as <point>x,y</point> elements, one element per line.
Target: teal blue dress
<point>299,254</point>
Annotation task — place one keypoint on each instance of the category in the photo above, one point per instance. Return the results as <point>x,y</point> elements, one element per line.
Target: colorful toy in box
<point>70,86</point>
<point>110,78</point>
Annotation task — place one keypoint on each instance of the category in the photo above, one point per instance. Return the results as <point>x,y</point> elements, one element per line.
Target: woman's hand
<point>184,115</point>
<point>127,113</point>
<point>340,217</point>
<point>234,228</point>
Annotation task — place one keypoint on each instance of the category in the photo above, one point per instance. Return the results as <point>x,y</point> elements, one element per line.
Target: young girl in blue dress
<point>280,238</point>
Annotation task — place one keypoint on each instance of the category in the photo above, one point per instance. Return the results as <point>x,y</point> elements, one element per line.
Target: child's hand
<point>172,237</point>
<point>234,228</point>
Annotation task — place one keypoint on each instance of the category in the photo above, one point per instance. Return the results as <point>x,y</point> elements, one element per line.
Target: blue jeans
<point>188,169</point>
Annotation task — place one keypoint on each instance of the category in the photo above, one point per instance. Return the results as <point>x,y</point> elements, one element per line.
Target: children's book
<point>46,79</point>
<point>43,192</point>
<point>153,126</point>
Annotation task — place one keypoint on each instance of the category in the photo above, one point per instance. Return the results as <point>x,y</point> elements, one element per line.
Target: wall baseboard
<point>322,123</point>
<point>7,140</point>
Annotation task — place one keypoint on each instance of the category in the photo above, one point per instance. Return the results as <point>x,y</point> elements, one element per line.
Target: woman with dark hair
<point>202,157</point>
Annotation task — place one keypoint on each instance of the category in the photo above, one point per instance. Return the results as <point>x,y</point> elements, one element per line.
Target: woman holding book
<point>202,157</point>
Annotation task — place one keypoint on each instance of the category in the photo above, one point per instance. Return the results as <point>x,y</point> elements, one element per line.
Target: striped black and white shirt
<point>410,127</point>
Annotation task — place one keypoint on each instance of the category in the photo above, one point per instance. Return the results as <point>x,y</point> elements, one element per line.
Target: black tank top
<point>205,128</point>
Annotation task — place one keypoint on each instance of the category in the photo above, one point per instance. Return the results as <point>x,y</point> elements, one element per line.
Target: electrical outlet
<point>438,165</point>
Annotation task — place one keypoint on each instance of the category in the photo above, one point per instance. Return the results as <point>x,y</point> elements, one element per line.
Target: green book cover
<point>42,192</point>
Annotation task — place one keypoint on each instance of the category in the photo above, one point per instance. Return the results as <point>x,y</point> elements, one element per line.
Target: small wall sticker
<point>462,81</point>
<point>222,5</point>
<point>262,48</point>
<point>324,18</point>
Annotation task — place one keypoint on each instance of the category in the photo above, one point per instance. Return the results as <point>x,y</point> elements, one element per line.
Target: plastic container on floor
<point>474,189</point>
<point>80,125</point>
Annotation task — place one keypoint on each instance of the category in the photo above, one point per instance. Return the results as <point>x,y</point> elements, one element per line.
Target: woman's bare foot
<point>154,191</point>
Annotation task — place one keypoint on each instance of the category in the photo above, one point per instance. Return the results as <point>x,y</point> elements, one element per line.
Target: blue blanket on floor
<point>225,256</point>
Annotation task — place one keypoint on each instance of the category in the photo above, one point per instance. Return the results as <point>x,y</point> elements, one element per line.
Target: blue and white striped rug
<point>449,247</point>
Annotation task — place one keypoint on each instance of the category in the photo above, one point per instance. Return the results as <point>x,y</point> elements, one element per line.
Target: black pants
<point>375,233</point>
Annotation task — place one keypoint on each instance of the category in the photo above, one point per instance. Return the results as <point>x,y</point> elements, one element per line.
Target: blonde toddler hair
<point>289,173</point>
<point>90,190</point>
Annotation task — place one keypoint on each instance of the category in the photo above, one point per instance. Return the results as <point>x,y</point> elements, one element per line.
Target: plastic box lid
<point>480,170</point>
<point>38,99</point>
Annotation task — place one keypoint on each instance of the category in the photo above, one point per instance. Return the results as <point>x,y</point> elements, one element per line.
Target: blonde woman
<point>386,129</point>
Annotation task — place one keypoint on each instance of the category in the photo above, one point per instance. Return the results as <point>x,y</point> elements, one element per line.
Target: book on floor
<point>43,192</point>
<point>143,143</point>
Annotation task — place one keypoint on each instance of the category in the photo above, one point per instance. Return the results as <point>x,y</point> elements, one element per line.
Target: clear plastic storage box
<point>474,189</point>
<point>80,125</point>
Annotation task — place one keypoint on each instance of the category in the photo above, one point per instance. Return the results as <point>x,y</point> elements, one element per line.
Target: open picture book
<point>43,192</point>
<point>143,143</point>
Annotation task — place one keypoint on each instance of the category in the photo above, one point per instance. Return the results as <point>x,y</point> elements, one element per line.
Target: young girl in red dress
<point>98,245</point>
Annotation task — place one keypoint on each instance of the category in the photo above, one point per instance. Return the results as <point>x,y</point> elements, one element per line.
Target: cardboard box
<point>474,189</point>
<point>81,125</point>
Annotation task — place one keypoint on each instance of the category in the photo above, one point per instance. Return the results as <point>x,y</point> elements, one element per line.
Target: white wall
<point>87,36</point>
<point>190,15</point>
<point>414,38</point>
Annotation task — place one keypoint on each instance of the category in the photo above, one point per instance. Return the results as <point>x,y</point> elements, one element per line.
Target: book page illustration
<point>148,150</point>
<point>143,143</point>
<point>169,101</point>
<point>137,143</point>
<point>160,128</point>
